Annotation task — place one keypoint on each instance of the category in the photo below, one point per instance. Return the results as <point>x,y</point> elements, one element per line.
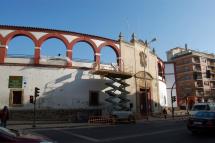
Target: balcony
<point>196,60</point>
<point>197,69</point>
<point>199,77</point>
<point>199,93</point>
<point>199,85</point>
<point>213,87</point>
<point>211,64</point>
<point>183,63</point>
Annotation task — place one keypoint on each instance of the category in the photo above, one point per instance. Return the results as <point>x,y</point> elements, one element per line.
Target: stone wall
<point>78,115</point>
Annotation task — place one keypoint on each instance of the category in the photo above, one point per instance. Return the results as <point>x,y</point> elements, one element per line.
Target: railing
<point>19,56</point>
<point>211,64</point>
<point>115,67</point>
<point>101,120</point>
<point>196,60</point>
<point>197,69</point>
<point>199,85</point>
<point>83,60</point>
<point>200,93</point>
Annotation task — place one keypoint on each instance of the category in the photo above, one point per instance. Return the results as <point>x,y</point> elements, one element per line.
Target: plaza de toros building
<point>67,85</point>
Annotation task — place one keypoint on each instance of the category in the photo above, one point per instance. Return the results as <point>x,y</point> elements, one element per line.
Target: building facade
<point>68,84</point>
<point>190,63</point>
<point>170,85</point>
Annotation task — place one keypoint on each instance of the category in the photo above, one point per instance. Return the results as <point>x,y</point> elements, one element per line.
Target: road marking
<point>80,136</point>
<point>140,135</point>
<point>116,138</point>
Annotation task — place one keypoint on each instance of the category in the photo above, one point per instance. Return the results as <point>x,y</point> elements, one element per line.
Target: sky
<point>172,22</point>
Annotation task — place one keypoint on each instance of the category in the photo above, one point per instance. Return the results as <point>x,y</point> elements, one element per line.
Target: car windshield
<point>200,107</point>
<point>205,114</point>
<point>7,132</point>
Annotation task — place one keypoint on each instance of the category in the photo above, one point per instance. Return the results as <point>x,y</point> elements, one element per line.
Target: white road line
<point>80,136</point>
<point>117,138</point>
<point>140,135</point>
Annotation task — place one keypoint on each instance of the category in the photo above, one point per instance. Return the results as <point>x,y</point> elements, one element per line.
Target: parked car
<point>14,136</point>
<point>120,116</point>
<point>202,121</point>
<point>202,107</point>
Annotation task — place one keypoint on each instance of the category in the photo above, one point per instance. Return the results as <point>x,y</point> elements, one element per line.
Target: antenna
<point>127,24</point>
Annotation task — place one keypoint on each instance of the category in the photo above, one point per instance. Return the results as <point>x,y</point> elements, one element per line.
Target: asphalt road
<point>146,132</point>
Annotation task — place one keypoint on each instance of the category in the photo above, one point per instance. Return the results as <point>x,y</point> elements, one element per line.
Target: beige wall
<point>131,59</point>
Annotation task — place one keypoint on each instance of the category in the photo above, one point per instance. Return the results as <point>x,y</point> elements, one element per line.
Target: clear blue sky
<point>172,22</point>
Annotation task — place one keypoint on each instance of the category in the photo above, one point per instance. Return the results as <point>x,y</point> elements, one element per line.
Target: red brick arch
<point>111,45</point>
<point>161,68</point>
<point>10,36</point>
<point>58,34</point>
<point>87,40</point>
<point>83,39</point>
<point>53,35</point>
<point>115,48</point>
<point>2,50</point>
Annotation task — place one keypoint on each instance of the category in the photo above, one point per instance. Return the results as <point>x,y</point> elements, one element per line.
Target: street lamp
<point>143,63</point>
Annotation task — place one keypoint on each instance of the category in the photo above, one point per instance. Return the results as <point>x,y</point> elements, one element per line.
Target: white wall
<point>59,87</point>
<point>162,93</point>
<point>170,79</point>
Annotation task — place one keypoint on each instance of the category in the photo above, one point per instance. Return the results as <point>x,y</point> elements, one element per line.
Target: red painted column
<point>3,52</point>
<point>97,59</point>
<point>69,56</point>
<point>37,55</point>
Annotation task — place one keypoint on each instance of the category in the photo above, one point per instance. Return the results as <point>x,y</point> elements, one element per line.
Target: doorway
<point>145,101</point>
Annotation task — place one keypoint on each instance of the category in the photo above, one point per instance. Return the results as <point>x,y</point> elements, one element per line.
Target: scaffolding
<point>117,88</point>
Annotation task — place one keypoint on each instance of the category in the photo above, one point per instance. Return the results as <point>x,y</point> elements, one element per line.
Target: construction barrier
<point>101,120</point>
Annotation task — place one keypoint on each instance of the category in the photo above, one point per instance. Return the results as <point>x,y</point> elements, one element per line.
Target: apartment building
<point>192,84</point>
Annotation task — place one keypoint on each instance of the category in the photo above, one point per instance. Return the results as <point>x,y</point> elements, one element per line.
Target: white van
<point>202,107</point>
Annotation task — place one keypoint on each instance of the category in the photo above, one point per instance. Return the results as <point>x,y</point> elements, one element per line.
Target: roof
<point>53,30</point>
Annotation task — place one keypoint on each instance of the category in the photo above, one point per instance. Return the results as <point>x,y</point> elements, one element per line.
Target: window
<point>94,98</point>
<point>206,82</point>
<point>16,97</point>
<point>160,71</point>
<point>187,77</point>
<point>186,69</point>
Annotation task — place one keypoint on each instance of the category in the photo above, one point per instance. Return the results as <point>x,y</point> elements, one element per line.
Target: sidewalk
<point>22,125</point>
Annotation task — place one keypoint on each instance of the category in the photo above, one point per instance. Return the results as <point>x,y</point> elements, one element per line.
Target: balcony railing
<point>196,60</point>
<point>199,93</point>
<point>211,64</point>
<point>197,69</point>
<point>198,85</point>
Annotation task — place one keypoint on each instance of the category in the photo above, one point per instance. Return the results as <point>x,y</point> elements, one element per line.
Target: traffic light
<point>36,92</point>
<point>173,98</point>
<point>31,99</point>
<point>195,75</point>
<point>208,73</point>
